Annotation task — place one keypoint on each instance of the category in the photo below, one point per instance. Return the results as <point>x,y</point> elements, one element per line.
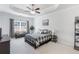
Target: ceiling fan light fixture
<point>32,12</point>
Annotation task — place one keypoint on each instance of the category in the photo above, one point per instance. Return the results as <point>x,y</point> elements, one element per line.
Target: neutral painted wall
<point>5,22</point>
<point>39,24</point>
<point>63,23</point>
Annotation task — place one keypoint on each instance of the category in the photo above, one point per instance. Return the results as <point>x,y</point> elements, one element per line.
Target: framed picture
<point>45,22</point>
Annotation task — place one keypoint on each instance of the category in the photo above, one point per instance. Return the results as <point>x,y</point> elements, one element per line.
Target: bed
<point>38,39</point>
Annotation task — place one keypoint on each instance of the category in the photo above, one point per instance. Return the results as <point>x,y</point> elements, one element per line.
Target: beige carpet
<point>19,46</point>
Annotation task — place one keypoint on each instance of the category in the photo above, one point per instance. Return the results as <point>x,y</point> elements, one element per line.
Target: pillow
<point>45,31</point>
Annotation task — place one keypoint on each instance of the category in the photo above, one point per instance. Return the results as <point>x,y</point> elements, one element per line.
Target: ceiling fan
<point>33,10</point>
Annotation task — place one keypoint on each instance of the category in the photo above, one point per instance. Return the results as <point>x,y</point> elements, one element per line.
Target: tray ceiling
<point>44,8</point>
<point>20,9</point>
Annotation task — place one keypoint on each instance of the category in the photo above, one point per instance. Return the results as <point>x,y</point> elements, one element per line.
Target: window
<point>20,26</point>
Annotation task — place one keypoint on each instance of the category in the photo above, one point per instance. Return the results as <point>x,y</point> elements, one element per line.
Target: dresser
<point>5,45</point>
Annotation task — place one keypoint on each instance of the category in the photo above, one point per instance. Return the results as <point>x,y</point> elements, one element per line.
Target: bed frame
<point>34,45</point>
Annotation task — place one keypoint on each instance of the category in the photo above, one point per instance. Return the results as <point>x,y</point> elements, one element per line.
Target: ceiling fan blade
<point>37,12</point>
<point>37,9</point>
<point>26,11</point>
<point>29,8</point>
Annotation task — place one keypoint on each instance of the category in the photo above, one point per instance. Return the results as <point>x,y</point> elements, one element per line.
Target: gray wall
<point>5,21</point>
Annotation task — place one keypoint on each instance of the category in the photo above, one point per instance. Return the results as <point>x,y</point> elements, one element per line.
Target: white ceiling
<point>20,9</point>
<point>41,6</point>
<point>65,6</point>
<point>44,8</point>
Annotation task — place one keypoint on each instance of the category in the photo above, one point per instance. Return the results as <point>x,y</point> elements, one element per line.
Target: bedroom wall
<point>39,24</point>
<point>5,22</point>
<point>63,23</point>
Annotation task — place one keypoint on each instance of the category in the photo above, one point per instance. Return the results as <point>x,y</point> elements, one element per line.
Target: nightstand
<point>54,38</point>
